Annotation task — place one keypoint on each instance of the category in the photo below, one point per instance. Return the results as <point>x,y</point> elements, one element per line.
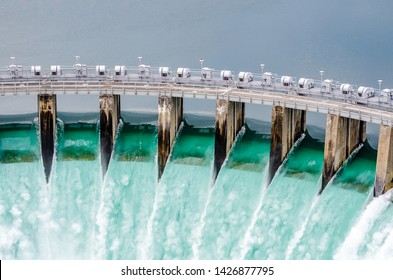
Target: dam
<point>347,113</point>
<point>347,110</point>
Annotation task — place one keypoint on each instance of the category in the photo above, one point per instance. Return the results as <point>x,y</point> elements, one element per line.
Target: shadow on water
<point>354,176</point>
<point>135,143</point>
<point>18,143</point>
<point>305,166</point>
<point>192,148</point>
<point>77,141</point>
<point>247,156</point>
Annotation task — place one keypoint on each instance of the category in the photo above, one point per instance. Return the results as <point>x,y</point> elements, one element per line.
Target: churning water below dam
<point>128,214</point>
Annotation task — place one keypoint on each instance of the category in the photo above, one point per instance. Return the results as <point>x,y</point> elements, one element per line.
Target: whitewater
<point>128,214</point>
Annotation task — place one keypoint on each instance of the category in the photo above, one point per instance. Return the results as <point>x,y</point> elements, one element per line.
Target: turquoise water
<point>286,203</point>
<point>21,200</point>
<point>338,208</point>
<point>181,195</point>
<point>234,197</point>
<point>128,214</point>
<point>127,195</point>
<point>371,237</point>
<point>73,192</point>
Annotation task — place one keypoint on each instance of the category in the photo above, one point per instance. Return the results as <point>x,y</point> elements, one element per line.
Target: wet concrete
<point>109,120</point>
<point>287,127</point>
<point>170,115</point>
<point>229,121</point>
<point>384,170</point>
<point>342,137</point>
<point>47,114</point>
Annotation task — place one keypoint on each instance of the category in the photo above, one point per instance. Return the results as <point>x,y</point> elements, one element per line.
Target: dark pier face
<point>106,141</point>
<point>170,114</point>
<point>276,142</point>
<point>342,137</point>
<point>165,108</point>
<point>220,144</point>
<point>109,119</point>
<point>287,127</point>
<point>384,169</point>
<point>47,118</point>
<point>229,121</point>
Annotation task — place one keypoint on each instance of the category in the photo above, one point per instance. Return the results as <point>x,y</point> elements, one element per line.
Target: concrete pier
<point>342,137</point>
<point>170,115</point>
<point>109,119</point>
<point>384,170</point>
<point>229,121</point>
<point>47,113</point>
<point>287,127</point>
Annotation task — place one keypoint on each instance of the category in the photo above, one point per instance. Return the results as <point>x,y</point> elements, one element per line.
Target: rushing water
<point>129,214</point>
<point>338,207</point>
<point>73,191</point>
<point>181,195</point>
<point>127,194</point>
<point>287,201</point>
<point>234,197</point>
<point>21,184</point>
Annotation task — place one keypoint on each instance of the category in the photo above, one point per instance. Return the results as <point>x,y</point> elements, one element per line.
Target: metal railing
<point>376,109</point>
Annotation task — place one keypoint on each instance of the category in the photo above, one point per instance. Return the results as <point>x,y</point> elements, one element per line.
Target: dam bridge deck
<point>342,105</point>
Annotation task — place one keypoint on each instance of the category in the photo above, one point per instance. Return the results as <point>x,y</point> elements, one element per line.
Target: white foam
<point>198,233</point>
<point>102,218</point>
<point>76,228</point>
<point>357,235</point>
<point>248,240</point>
<point>298,235</point>
<point>15,212</point>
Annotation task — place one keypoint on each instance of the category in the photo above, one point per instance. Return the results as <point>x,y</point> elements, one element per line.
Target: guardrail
<point>343,106</point>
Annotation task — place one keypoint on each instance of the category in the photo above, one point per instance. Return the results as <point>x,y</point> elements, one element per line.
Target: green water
<point>18,143</point>
<point>127,214</point>
<point>338,207</point>
<point>181,195</point>
<point>128,193</point>
<point>287,201</point>
<point>234,197</point>
<point>73,193</point>
<point>21,200</point>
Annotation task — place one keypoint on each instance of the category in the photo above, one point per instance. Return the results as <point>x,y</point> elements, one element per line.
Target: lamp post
<point>321,72</point>
<point>262,66</point>
<point>379,88</point>
<point>380,83</point>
